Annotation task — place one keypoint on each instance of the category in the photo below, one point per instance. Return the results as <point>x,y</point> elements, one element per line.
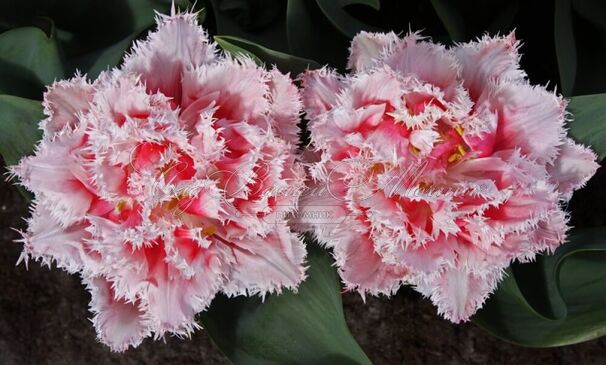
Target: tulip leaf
<point>307,327</point>
<point>565,45</point>
<point>29,59</point>
<point>464,20</point>
<point>259,21</point>
<point>580,41</point>
<point>311,35</point>
<point>591,10</point>
<point>572,282</point>
<point>284,62</point>
<point>589,124</point>
<point>100,60</point>
<point>343,21</point>
<point>235,50</point>
<point>19,119</point>
<point>451,18</point>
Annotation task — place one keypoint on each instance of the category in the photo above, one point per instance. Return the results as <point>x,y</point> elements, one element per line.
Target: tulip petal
<point>488,62</point>
<point>63,102</point>
<point>367,47</point>
<point>320,90</point>
<point>530,118</point>
<point>573,167</point>
<point>178,45</point>
<point>119,323</point>
<point>458,292</point>
<point>267,264</point>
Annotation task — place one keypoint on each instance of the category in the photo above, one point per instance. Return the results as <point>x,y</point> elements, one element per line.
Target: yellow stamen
<point>379,168</point>
<point>459,130</point>
<point>210,230</point>
<point>376,169</point>
<point>120,205</point>
<point>174,202</point>
<point>414,150</point>
<point>454,157</point>
<point>423,186</point>
<point>461,150</point>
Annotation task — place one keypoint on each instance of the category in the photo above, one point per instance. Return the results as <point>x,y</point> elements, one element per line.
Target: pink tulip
<point>438,167</point>
<point>163,183</point>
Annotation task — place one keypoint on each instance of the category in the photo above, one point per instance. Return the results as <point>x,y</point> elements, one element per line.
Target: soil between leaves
<point>44,317</point>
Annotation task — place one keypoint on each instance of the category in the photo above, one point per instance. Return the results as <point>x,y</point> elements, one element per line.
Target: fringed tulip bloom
<point>167,181</point>
<point>437,167</point>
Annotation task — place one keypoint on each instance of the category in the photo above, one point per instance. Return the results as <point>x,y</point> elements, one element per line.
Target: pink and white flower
<point>439,167</point>
<point>167,181</point>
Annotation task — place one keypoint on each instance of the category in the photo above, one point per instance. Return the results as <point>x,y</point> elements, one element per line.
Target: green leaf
<point>565,45</point>
<point>259,21</point>
<point>574,281</point>
<point>580,40</point>
<point>589,124</point>
<point>311,35</point>
<point>451,17</point>
<point>465,19</point>
<point>235,50</point>
<point>284,61</point>
<point>19,119</point>
<point>100,60</point>
<point>541,293</point>
<point>303,328</point>
<point>342,20</point>
<point>29,59</point>
<point>592,10</point>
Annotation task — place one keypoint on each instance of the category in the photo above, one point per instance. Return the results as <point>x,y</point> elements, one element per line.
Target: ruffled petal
<point>380,86</point>
<point>62,185</point>
<point>285,106</point>
<point>427,61</point>
<point>572,168</point>
<point>119,324</point>
<point>239,91</point>
<point>63,102</point>
<point>488,62</point>
<point>48,241</point>
<point>360,266</point>
<point>178,45</point>
<point>459,292</point>
<point>530,118</point>
<point>367,47</point>
<point>320,90</point>
<point>267,264</point>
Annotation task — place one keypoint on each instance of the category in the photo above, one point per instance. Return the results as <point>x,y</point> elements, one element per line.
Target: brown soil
<point>43,320</point>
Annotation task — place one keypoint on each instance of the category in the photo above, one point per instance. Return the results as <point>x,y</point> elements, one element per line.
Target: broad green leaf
<point>19,119</point>
<point>258,21</point>
<point>565,45</point>
<point>580,40</point>
<point>535,284</point>
<point>589,124</point>
<point>343,21</point>
<point>467,19</point>
<point>236,50</point>
<point>451,17</point>
<point>284,62</point>
<point>592,10</point>
<point>576,303</point>
<point>29,59</point>
<point>96,62</point>
<point>307,327</point>
<point>311,35</point>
